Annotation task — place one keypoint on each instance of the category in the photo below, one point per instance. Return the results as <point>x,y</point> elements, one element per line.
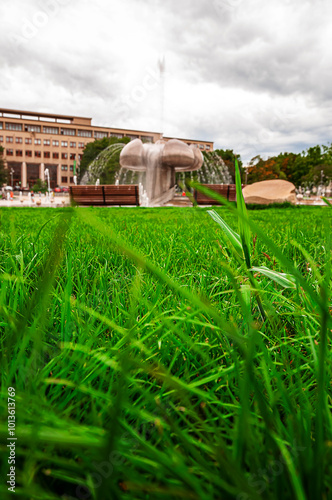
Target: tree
<point>319,173</point>
<point>40,186</point>
<point>3,170</point>
<point>93,149</point>
<point>297,168</point>
<point>262,170</point>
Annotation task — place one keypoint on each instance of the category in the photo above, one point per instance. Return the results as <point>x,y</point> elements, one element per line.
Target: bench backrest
<point>105,195</point>
<point>228,191</point>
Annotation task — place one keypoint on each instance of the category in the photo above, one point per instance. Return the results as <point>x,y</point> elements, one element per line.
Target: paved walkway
<point>63,200</point>
<point>59,201</point>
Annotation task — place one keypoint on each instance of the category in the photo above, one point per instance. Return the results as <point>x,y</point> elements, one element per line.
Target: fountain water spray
<point>98,166</point>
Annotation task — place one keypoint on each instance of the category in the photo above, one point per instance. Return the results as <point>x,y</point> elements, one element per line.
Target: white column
<point>42,171</point>
<point>24,174</point>
<point>59,175</point>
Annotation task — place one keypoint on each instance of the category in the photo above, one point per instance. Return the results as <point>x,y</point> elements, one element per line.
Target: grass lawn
<point>147,361</point>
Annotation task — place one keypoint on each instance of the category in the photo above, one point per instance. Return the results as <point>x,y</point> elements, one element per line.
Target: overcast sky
<point>251,75</point>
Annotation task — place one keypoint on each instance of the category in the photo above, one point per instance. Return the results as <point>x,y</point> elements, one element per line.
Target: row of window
<point>64,180</point>
<point>64,144</point>
<point>81,145</point>
<point>38,154</point>
<point>46,142</point>
<point>70,131</point>
<point>53,130</point>
<point>65,167</point>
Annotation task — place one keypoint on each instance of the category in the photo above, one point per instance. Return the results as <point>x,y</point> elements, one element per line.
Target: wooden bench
<point>105,195</point>
<point>228,191</point>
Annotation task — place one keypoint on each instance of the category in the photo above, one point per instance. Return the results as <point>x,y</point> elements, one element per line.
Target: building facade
<point>35,141</point>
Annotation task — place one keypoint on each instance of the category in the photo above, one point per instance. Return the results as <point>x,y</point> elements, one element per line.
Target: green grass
<point>143,365</point>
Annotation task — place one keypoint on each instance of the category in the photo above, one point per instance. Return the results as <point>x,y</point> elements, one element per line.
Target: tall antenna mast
<point>161,65</point>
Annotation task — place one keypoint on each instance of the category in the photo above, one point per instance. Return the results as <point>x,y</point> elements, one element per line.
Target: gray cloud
<point>247,74</point>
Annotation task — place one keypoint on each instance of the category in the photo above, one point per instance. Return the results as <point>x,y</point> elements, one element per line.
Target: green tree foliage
<point>3,171</point>
<point>40,186</point>
<point>93,149</point>
<point>260,170</point>
<point>310,166</point>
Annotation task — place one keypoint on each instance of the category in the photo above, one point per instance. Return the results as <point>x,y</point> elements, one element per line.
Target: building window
<point>71,179</point>
<point>119,136</point>
<point>64,144</point>
<point>64,156</point>
<point>132,137</point>
<point>201,146</point>
<point>55,143</point>
<point>47,154</point>
<point>38,154</point>
<point>28,153</point>
<point>47,142</point>
<point>71,168</point>
<point>100,135</point>
<point>13,126</point>
<point>18,140</point>
<point>64,179</point>
<point>64,167</point>
<point>55,155</point>
<point>1,138</point>
<point>72,156</point>
<point>84,133</point>
<point>19,152</point>
<point>32,128</point>
<point>68,131</point>
<point>207,147</point>
<point>28,141</point>
<point>50,130</point>
<point>38,141</point>
<point>81,144</point>
<point>9,152</point>
<point>1,125</point>
<point>147,138</point>
<point>80,157</point>
<point>73,144</point>
<point>9,139</point>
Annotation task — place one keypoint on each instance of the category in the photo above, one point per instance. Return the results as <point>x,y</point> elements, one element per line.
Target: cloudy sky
<point>251,75</point>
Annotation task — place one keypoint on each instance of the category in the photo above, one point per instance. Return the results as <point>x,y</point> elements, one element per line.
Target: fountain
<point>99,164</point>
<point>214,171</point>
<point>157,168</point>
<point>160,162</point>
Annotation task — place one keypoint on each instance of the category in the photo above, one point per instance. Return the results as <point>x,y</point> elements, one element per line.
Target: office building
<point>35,141</point>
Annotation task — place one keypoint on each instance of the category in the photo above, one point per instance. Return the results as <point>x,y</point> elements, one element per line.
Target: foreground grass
<point>141,363</point>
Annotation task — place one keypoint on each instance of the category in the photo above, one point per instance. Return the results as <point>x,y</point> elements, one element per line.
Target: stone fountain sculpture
<point>160,161</point>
